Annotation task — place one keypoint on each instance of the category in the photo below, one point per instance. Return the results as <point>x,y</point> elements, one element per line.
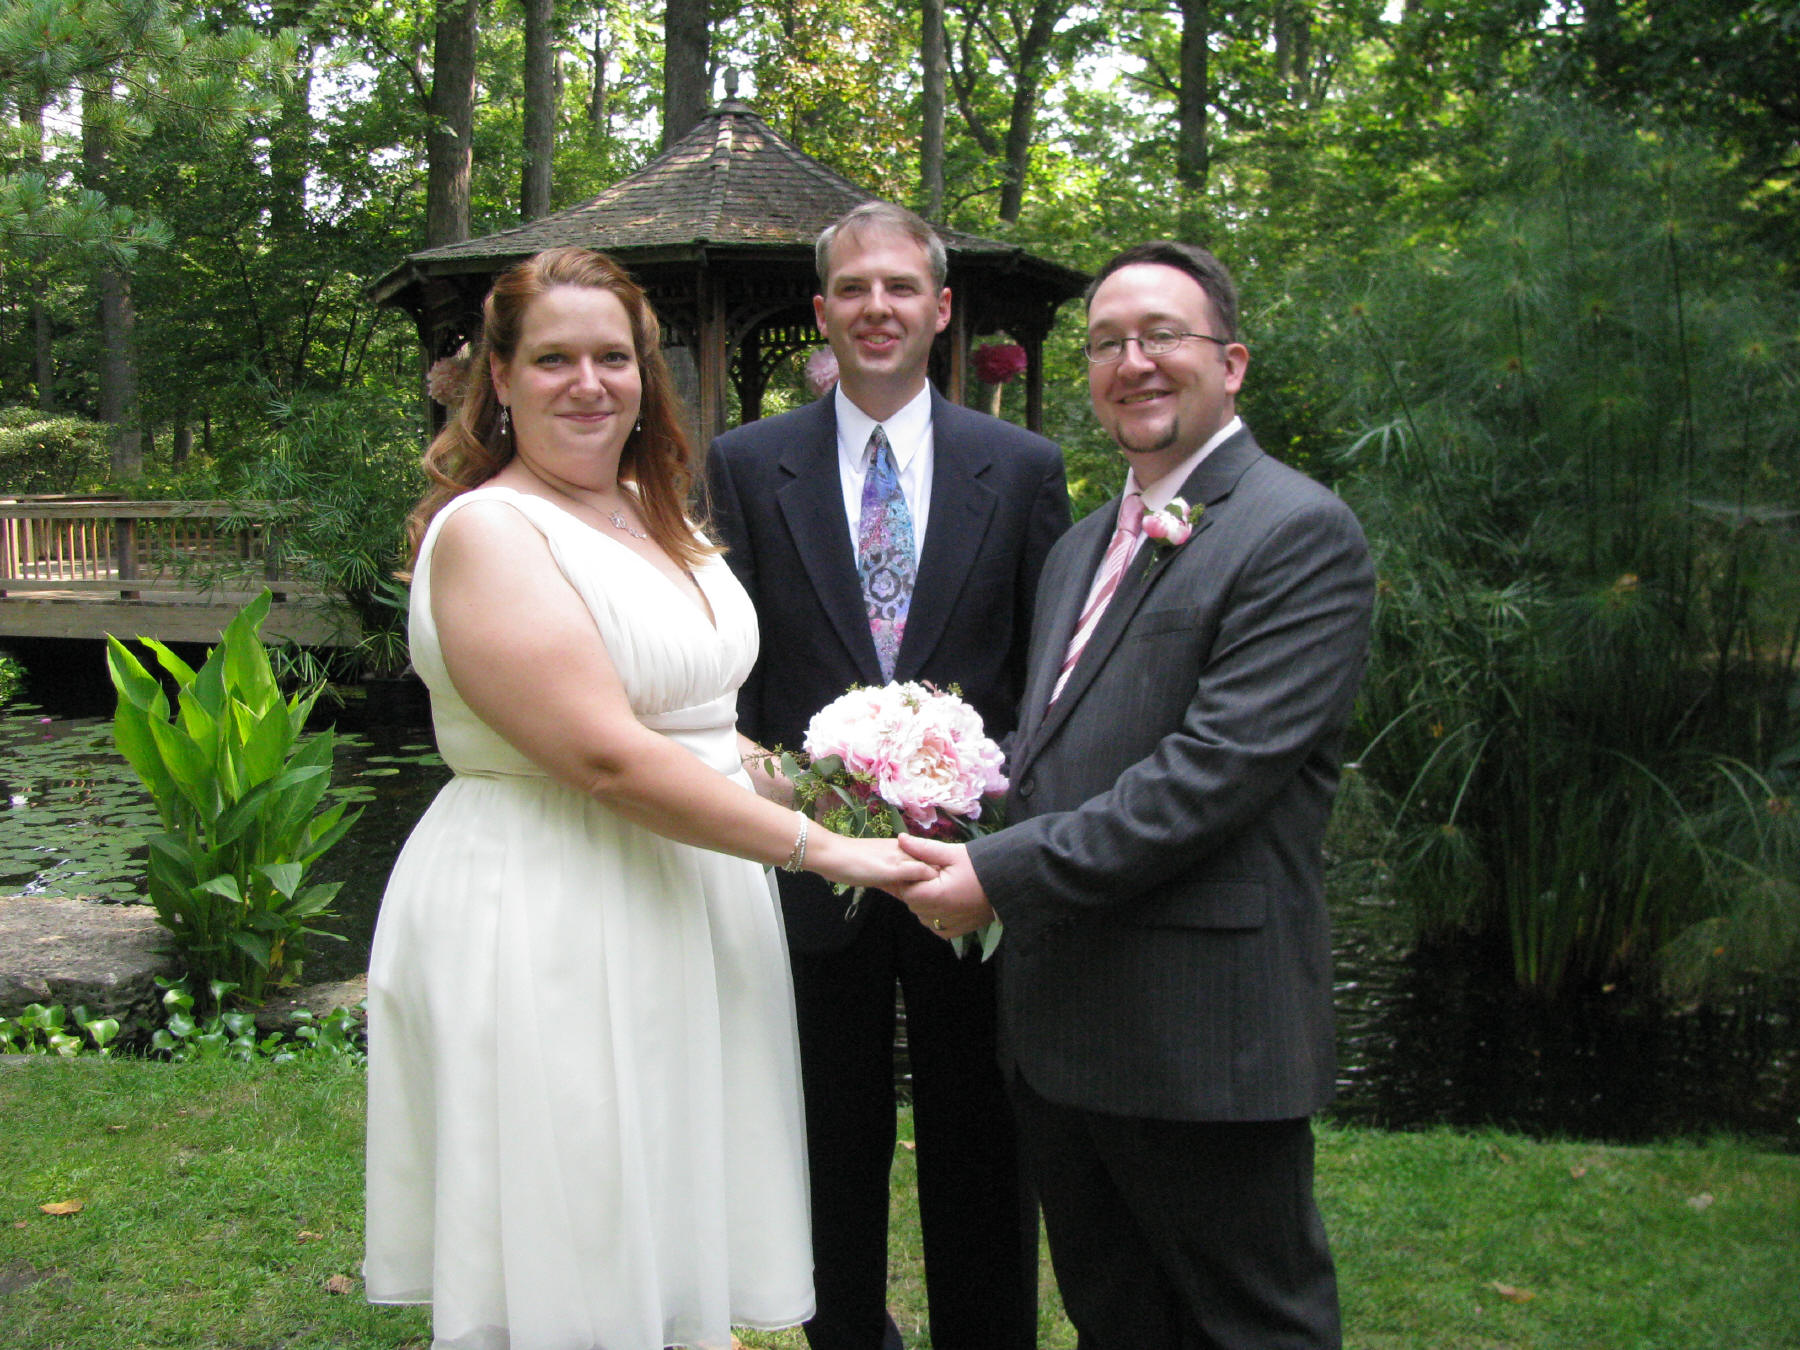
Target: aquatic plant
<point>238,788</point>
<point>1577,465</point>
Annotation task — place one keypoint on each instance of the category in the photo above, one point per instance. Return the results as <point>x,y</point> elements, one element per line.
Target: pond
<point>1425,1037</point>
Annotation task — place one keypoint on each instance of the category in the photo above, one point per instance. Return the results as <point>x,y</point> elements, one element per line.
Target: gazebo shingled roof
<point>719,230</point>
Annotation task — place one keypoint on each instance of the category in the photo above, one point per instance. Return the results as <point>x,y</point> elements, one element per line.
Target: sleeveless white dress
<point>585,1127</point>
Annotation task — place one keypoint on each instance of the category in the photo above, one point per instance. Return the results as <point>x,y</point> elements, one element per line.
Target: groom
<point>1165,984</point>
<point>885,533</point>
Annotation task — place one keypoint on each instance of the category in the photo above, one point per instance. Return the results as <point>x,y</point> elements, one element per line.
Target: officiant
<point>885,533</point>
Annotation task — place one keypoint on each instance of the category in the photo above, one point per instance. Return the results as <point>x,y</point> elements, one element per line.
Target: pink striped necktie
<point>1118,557</point>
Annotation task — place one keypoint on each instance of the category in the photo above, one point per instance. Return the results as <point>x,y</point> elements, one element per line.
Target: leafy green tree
<point>161,63</point>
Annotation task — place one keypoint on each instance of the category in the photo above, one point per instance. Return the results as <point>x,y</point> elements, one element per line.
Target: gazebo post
<point>714,342</point>
<point>956,380</point>
<point>1034,381</point>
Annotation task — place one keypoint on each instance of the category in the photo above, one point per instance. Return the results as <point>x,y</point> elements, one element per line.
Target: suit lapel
<point>961,507</point>
<point>812,504</point>
<point>1209,484</point>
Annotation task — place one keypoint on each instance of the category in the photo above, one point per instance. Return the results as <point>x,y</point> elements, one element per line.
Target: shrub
<point>12,678</point>
<point>342,469</point>
<point>238,793</point>
<point>44,453</point>
<point>1578,472</point>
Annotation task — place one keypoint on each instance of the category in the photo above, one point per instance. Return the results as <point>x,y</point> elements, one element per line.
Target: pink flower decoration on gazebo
<point>448,378</point>
<point>999,362</point>
<point>821,371</point>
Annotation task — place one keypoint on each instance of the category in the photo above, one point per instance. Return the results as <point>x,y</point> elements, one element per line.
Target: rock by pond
<point>74,952</point>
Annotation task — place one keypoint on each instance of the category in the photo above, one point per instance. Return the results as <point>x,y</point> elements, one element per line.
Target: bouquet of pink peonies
<point>901,759</point>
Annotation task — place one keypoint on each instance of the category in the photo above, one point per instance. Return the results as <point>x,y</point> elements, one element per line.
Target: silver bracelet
<point>797,859</point>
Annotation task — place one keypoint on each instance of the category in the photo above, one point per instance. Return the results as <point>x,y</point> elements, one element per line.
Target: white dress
<point>585,1128</point>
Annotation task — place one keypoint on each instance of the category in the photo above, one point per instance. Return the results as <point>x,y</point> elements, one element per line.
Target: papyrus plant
<point>238,789</point>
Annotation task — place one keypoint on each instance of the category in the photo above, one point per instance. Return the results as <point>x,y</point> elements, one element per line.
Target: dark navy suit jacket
<point>998,502</point>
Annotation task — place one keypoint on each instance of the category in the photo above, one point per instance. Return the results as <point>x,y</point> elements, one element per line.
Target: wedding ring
<point>938,924</point>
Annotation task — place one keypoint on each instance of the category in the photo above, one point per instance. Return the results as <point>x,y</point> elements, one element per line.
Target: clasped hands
<point>933,879</point>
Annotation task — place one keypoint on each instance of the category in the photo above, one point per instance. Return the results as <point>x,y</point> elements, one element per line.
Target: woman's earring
<point>505,421</point>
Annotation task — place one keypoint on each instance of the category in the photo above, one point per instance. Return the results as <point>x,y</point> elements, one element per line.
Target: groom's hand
<point>951,903</point>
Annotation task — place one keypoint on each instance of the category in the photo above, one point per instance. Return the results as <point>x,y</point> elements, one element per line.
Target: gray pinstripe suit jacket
<point>1167,949</point>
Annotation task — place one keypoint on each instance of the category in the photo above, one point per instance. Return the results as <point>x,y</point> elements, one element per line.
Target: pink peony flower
<point>998,362</point>
<point>821,371</point>
<point>923,751</point>
<point>1172,525</point>
<point>448,378</point>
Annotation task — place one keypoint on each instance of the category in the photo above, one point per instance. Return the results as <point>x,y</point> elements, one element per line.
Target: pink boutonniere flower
<point>1169,528</point>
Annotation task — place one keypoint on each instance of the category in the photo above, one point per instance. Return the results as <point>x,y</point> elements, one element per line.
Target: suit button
<point>1027,787</point>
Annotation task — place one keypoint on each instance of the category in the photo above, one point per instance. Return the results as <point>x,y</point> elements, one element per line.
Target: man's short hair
<point>1189,258</point>
<point>882,216</point>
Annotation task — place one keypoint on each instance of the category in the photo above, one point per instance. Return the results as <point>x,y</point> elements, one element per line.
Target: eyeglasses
<point>1157,342</point>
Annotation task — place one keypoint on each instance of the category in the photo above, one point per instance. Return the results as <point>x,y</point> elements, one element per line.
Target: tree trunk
<point>43,344</point>
<point>450,133</point>
<point>599,124</point>
<point>291,140</point>
<point>1028,78</point>
<point>540,108</point>
<point>43,356</point>
<point>181,445</point>
<point>931,141</point>
<point>1192,154</point>
<point>118,373</point>
<point>687,39</point>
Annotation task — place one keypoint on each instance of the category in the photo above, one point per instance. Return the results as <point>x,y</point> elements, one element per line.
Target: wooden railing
<point>132,550</point>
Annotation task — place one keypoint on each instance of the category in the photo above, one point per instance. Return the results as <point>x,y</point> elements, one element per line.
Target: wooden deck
<point>174,570</point>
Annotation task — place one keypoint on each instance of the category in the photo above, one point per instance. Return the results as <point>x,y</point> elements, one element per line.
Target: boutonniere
<point>1169,528</point>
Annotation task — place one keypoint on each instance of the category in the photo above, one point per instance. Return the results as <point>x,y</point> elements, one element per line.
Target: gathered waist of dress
<point>708,731</point>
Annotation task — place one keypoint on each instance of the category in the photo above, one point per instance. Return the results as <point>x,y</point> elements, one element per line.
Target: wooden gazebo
<point>719,231</point>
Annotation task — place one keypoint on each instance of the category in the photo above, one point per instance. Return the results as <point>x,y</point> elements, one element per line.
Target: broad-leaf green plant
<point>55,1030</point>
<point>238,787</point>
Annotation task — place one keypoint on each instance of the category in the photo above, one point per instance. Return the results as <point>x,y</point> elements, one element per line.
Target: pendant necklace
<point>620,523</point>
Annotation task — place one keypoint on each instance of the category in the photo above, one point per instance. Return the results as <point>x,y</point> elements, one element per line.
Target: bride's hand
<point>876,863</point>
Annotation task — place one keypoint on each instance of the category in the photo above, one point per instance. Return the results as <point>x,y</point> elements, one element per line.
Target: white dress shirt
<point>909,437</point>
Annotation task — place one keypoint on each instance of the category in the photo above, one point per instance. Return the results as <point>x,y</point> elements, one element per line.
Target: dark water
<point>1425,1037</point>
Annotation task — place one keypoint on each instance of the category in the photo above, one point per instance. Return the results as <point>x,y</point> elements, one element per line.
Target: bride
<point>584,1104</point>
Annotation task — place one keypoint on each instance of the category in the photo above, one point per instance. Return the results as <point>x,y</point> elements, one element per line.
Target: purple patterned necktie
<point>884,551</point>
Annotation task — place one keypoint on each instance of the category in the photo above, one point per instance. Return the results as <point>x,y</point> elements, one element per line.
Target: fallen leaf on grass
<point>63,1207</point>
<point>307,1235</point>
<point>114,1129</point>
<point>339,1284</point>
<point>23,1223</point>
<point>1578,1171</point>
<point>908,1145</point>
<point>1703,1200</point>
<point>1511,1293</point>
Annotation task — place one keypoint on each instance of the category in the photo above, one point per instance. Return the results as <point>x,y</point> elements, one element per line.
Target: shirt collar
<point>1159,496</point>
<point>906,429</point>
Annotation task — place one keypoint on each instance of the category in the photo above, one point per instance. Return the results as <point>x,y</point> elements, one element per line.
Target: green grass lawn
<point>220,1206</point>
